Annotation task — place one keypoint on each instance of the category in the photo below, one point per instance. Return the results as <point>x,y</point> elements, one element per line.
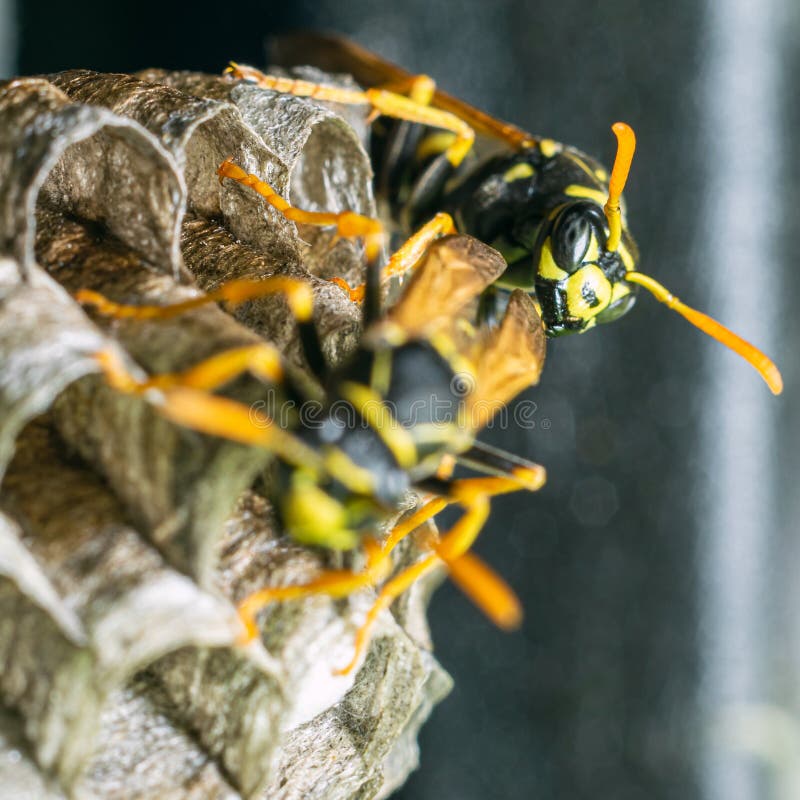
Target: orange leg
<point>408,255</point>
<point>392,590</point>
<point>262,360</point>
<point>477,580</point>
<point>298,295</point>
<point>334,583</point>
<point>452,545</point>
<point>348,224</point>
<point>419,88</point>
<point>183,398</point>
<point>340,583</point>
<point>530,478</point>
<point>446,467</point>
<point>415,108</point>
<point>480,583</point>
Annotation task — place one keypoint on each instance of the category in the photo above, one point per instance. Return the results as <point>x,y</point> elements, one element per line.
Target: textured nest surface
<point>125,540</point>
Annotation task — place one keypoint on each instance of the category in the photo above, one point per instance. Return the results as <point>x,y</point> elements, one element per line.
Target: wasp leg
<point>480,583</point>
<point>184,398</point>
<point>498,601</point>
<point>408,255</point>
<point>334,583</point>
<point>419,88</point>
<point>338,54</point>
<point>348,224</point>
<point>493,460</point>
<point>383,102</point>
<point>263,360</point>
<point>298,295</point>
<point>392,590</point>
<point>340,583</point>
<point>446,467</point>
<point>476,579</point>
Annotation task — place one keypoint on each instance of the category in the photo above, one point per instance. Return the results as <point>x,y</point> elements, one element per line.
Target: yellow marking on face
<point>549,147</point>
<point>377,415</point>
<point>434,144</point>
<point>341,467</point>
<point>592,278</point>
<point>547,265</point>
<point>601,175</point>
<point>313,517</point>
<point>618,291</point>
<point>576,190</point>
<point>518,172</point>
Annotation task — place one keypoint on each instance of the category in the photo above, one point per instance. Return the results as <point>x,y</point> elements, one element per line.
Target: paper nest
<point>125,540</point>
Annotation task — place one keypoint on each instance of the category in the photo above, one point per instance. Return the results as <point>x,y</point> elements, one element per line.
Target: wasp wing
<point>439,303</point>
<point>507,359</point>
<point>440,294</point>
<point>337,54</point>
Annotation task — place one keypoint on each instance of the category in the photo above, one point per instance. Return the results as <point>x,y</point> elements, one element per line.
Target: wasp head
<point>580,281</point>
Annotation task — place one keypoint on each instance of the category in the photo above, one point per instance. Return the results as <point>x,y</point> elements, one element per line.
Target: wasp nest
<point>124,539</point>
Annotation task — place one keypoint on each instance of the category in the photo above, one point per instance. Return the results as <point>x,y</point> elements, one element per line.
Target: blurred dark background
<point>659,567</point>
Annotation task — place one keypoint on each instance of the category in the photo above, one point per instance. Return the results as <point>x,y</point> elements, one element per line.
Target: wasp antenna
<point>626,145</point>
<point>758,360</point>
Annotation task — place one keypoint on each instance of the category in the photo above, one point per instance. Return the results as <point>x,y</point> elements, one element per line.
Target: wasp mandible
<point>554,212</point>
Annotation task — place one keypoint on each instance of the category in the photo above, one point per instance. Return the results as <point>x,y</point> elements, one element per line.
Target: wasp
<point>554,212</point>
<point>396,418</point>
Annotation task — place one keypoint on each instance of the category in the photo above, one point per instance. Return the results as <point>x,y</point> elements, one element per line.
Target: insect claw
<point>356,295</point>
<point>222,169</point>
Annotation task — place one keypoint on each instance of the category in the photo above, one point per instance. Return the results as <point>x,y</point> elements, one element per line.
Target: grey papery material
<point>88,161</point>
<point>178,485</point>
<point>234,707</point>
<point>363,746</point>
<point>46,342</point>
<point>201,134</point>
<point>129,559</point>
<point>146,756</point>
<point>325,156</point>
<point>328,167</point>
<point>307,135</point>
<point>45,668</point>
<point>20,778</point>
<point>213,256</point>
<point>343,736</point>
<point>134,609</point>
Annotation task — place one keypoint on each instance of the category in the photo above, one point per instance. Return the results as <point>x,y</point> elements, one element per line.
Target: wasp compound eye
<point>570,238</point>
